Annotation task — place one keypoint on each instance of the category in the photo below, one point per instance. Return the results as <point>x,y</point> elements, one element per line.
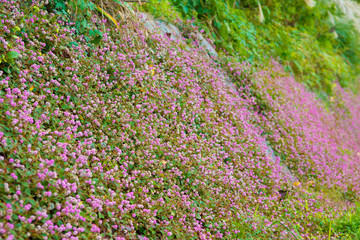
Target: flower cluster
<point>136,136</point>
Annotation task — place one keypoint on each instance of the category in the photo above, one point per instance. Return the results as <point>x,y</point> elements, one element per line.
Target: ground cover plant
<point>113,132</point>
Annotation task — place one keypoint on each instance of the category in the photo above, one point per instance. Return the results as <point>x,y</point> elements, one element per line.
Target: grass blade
<point>107,15</point>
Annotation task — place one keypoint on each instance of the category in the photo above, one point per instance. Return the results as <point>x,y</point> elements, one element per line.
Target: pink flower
<point>95,228</point>
<point>14,176</point>
<point>48,193</point>
<point>11,226</point>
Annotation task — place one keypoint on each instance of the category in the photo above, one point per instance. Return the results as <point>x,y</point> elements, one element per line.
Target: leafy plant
<point>302,37</point>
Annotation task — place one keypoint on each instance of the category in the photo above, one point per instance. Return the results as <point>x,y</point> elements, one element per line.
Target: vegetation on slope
<point>112,132</point>
<point>312,39</point>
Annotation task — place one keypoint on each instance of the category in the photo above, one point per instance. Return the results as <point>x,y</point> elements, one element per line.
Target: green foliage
<point>315,48</point>
<point>12,55</point>
<point>347,226</point>
<point>162,10</point>
<point>83,5</point>
<point>349,43</point>
<point>228,26</point>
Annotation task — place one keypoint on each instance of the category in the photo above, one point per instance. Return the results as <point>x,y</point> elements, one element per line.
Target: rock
<point>173,32</point>
<point>205,44</point>
<point>157,25</point>
<point>228,80</point>
<point>285,170</point>
<point>148,21</point>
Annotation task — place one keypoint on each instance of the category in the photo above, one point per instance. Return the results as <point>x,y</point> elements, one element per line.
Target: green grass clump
<point>346,226</point>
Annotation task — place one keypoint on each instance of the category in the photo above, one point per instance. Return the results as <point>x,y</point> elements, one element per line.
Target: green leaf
<point>60,5</point>
<point>12,55</point>
<point>94,33</point>
<point>73,44</point>
<point>96,40</point>
<point>185,9</point>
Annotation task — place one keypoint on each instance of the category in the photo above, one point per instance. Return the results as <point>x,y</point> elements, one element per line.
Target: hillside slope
<point>116,132</point>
